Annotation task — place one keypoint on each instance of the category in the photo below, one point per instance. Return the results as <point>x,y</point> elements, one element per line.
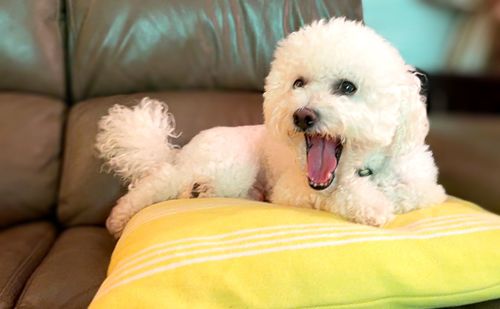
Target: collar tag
<point>365,172</point>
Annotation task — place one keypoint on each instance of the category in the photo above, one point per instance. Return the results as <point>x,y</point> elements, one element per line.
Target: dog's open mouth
<point>323,155</point>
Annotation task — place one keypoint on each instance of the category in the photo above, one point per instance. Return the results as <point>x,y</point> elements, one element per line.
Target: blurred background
<point>456,41</point>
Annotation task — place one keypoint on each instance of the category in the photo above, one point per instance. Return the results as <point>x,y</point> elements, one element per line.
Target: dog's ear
<point>413,123</point>
<point>424,80</point>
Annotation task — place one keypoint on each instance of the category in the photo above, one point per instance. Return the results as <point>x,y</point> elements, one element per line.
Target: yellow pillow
<point>229,253</point>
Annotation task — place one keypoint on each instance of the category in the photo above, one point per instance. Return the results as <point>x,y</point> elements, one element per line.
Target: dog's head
<point>338,89</point>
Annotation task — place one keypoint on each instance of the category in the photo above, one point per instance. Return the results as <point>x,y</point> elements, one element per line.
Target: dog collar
<point>365,172</point>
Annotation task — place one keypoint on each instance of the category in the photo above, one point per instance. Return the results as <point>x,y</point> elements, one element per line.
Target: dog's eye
<point>345,87</point>
<point>298,83</point>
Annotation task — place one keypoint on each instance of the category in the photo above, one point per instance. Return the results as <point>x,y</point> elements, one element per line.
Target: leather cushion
<point>467,152</point>
<point>72,271</point>
<point>129,46</point>
<point>30,138</point>
<point>87,195</point>
<point>22,249</point>
<point>31,48</point>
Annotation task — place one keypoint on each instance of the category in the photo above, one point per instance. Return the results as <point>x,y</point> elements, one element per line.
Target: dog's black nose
<point>304,118</point>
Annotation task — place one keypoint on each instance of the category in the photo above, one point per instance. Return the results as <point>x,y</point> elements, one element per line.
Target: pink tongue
<point>321,160</point>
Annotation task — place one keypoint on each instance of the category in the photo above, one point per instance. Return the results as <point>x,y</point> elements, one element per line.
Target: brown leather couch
<point>64,63</point>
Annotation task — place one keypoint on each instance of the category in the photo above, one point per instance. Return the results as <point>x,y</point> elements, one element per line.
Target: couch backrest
<point>131,46</point>
<point>31,47</point>
<point>31,108</point>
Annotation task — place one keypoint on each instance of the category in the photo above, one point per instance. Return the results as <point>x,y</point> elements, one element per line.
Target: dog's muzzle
<point>323,151</point>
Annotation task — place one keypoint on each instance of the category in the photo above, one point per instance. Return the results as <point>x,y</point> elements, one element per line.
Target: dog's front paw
<point>374,216</point>
<point>118,218</point>
<point>374,212</point>
<point>363,203</point>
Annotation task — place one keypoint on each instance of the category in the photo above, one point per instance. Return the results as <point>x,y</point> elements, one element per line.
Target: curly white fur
<point>134,141</point>
<point>382,127</point>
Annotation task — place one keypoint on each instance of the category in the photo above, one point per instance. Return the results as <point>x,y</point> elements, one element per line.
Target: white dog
<point>344,132</point>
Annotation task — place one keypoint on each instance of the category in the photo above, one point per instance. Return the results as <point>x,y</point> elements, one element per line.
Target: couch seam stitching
<point>20,266</point>
<point>28,281</point>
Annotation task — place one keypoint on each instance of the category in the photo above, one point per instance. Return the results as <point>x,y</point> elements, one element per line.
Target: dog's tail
<point>135,141</point>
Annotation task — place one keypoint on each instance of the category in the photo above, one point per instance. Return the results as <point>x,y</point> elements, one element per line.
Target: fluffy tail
<point>134,141</point>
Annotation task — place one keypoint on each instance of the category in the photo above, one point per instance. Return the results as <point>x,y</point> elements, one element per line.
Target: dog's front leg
<point>291,189</point>
<point>360,200</point>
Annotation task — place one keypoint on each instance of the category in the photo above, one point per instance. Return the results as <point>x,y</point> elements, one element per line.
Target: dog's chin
<point>323,154</point>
